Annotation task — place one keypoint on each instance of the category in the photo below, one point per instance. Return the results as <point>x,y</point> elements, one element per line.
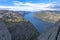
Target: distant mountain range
<point>19,12</point>
<point>49,16</point>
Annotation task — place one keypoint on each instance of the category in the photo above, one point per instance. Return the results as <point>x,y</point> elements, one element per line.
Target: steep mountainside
<point>19,28</point>
<point>4,33</point>
<point>23,31</point>
<point>49,16</point>
<point>53,33</point>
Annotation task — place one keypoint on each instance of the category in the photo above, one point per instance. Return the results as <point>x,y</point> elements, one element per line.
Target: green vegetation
<point>35,32</point>
<point>48,16</point>
<point>18,26</point>
<point>34,37</point>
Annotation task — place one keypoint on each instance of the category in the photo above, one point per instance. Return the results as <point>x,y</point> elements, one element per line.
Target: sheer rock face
<point>4,33</point>
<point>22,31</point>
<point>51,34</point>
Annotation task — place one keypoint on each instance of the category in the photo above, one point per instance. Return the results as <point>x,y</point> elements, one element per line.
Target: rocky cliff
<point>53,33</point>
<point>4,33</point>
<point>23,31</point>
<point>17,28</point>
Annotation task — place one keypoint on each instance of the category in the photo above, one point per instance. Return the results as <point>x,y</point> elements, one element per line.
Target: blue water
<point>40,25</point>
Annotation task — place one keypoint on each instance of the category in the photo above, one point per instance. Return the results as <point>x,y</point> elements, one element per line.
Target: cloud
<point>38,6</point>
<point>31,4</point>
<point>20,6</point>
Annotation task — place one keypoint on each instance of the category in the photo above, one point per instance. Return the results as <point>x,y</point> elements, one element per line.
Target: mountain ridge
<point>49,16</point>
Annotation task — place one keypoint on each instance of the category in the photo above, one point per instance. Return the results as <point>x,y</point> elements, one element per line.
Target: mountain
<point>17,26</point>
<point>4,32</point>
<point>49,16</point>
<point>23,31</point>
<point>53,33</point>
<point>22,13</point>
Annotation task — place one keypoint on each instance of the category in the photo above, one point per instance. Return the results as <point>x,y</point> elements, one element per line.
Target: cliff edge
<point>53,33</point>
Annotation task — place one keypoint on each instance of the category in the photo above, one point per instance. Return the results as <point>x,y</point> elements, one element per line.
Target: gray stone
<point>4,33</point>
<point>51,34</point>
<point>22,31</point>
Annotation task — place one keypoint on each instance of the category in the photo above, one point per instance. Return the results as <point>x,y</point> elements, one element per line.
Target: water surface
<point>40,25</point>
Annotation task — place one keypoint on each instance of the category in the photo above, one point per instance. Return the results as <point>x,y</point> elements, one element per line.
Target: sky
<point>30,5</point>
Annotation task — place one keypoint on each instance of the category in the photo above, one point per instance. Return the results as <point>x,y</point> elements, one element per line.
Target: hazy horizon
<point>30,5</point>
